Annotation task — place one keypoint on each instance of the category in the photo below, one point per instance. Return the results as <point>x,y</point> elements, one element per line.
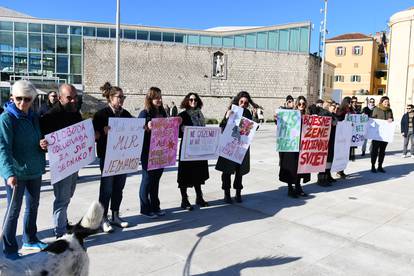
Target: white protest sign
<point>70,149</point>
<point>237,113</point>
<point>359,128</point>
<point>381,130</point>
<point>200,143</point>
<point>124,145</point>
<point>343,137</point>
<point>236,139</point>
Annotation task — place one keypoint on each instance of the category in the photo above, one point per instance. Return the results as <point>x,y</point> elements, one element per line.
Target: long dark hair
<point>298,99</point>
<point>153,93</point>
<point>345,104</point>
<point>185,104</point>
<point>243,94</point>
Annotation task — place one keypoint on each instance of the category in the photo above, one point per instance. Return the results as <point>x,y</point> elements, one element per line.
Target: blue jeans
<point>63,190</point>
<point>31,190</point>
<point>148,191</point>
<point>111,189</point>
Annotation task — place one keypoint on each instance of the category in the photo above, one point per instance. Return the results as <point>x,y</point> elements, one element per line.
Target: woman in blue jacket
<point>22,155</point>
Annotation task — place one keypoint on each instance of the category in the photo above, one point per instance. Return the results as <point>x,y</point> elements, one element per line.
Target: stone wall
<point>179,69</point>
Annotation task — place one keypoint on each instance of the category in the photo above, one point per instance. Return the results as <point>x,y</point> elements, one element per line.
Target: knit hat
<point>24,88</point>
<point>289,98</point>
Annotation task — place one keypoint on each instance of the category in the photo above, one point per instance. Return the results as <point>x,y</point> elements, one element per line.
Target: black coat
<point>288,172</point>
<point>227,166</point>
<point>100,120</point>
<point>404,124</point>
<point>190,172</point>
<point>57,118</point>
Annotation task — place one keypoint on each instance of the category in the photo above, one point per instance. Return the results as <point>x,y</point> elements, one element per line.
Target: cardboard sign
<point>70,149</point>
<point>314,143</point>
<point>359,128</point>
<point>124,145</point>
<point>288,130</point>
<point>343,135</point>
<point>163,144</point>
<point>381,130</point>
<point>200,143</point>
<point>236,138</point>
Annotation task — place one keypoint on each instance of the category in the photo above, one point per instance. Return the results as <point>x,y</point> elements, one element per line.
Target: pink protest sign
<point>314,143</point>
<point>163,144</point>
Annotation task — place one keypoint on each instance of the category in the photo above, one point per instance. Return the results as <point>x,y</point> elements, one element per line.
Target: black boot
<point>299,190</point>
<point>373,169</point>
<point>238,197</point>
<point>329,176</point>
<point>199,199</point>
<point>227,197</point>
<point>323,180</point>
<point>291,191</point>
<point>380,168</point>
<point>185,204</point>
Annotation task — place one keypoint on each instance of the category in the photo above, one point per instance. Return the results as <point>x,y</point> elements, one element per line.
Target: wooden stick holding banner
<point>163,144</point>
<point>200,143</point>
<point>124,145</point>
<point>70,149</point>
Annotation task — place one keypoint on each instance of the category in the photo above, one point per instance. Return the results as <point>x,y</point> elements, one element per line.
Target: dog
<point>65,256</point>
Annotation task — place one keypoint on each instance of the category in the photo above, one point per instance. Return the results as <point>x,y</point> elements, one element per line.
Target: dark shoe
<point>341,175</point>
<point>363,153</point>
<point>117,221</point>
<point>292,193</point>
<point>380,169</point>
<point>12,256</point>
<point>330,178</point>
<point>227,197</point>
<point>150,215</point>
<point>238,196</point>
<point>302,194</point>
<point>201,202</point>
<point>373,169</point>
<point>185,204</point>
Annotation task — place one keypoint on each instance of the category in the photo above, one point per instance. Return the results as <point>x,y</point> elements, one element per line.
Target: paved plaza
<point>363,225</point>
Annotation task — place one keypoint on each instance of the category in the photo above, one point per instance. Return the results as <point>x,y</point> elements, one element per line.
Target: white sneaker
<point>117,221</point>
<point>106,226</point>
<point>404,156</point>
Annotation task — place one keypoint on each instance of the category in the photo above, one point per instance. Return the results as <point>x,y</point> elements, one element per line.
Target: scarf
<point>197,117</point>
<point>383,108</point>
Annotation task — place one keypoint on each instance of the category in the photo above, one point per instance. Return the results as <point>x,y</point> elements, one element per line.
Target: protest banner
<point>236,138</point>
<point>359,128</point>
<point>237,113</point>
<point>200,143</point>
<point>381,130</point>
<point>70,149</point>
<point>124,145</point>
<point>163,143</point>
<point>288,130</point>
<point>314,143</point>
<point>342,145</point>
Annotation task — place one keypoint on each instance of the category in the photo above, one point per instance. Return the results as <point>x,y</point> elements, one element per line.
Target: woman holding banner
<point>381,111</point>
<point>289,161</point>
<point>228,167</point>
<point>344,109</point>
<point>22,155</point>
<point>191,173</point>
<point>111,187</point>
<point>148,191</point>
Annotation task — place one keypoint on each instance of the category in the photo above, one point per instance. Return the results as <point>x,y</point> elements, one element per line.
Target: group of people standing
<point>23,148</point>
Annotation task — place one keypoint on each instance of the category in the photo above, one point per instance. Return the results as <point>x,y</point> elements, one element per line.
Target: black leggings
<point>378,150</point>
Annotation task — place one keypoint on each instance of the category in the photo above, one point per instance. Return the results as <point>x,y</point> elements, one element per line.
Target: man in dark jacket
<point>61,115</point>
<point>407,125</point>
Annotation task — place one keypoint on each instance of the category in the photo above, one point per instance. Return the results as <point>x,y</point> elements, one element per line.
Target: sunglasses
<point>244,102</point>
<point>192,99</point>
<point>24,99</point>
<point>371,102</point>
<point>301,104</point>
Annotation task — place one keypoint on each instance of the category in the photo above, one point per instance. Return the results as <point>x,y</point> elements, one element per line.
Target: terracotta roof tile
<point>349,36</point>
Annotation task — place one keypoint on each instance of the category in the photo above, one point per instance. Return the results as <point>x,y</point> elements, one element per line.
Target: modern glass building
<point>51,51</point>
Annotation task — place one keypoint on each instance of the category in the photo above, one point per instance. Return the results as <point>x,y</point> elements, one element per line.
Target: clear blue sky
<point>365,16</point>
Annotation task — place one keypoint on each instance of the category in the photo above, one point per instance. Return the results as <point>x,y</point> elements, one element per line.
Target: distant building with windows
<point>269,62</point>
<point>360,67</point>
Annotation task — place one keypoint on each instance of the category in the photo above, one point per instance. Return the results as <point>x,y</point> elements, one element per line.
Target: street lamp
<point>323,38</point>
<point>117,42</point>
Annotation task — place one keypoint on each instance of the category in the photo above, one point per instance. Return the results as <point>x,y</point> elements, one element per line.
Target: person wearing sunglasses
<point>407,125</point>
<point>111,187</point>
<point>191,173</point>
<point>22,155</point>
<point>383,112</point>
<point>52,99</point>
<point>368,111</point>
<point>289,161</point>
<point>63,114</point>
<point>228,167</point>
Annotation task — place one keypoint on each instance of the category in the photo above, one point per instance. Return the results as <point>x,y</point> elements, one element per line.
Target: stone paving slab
<point>363,225</point>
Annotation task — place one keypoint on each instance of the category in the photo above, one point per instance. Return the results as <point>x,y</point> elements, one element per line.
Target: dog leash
<point>6,219</point>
